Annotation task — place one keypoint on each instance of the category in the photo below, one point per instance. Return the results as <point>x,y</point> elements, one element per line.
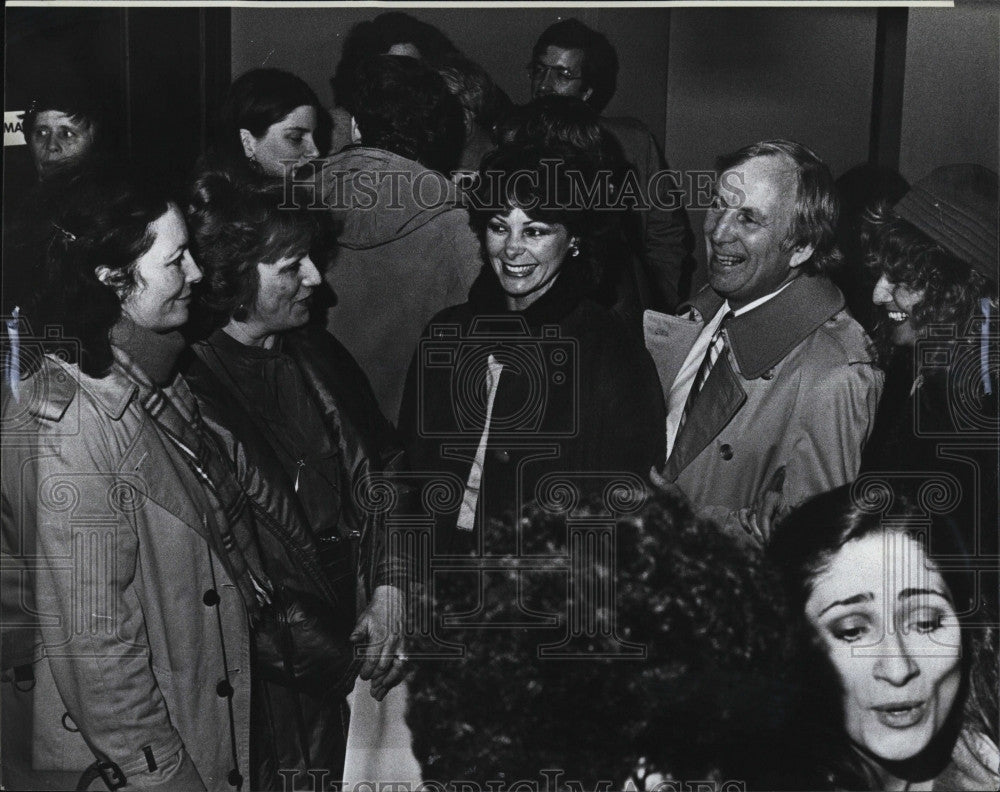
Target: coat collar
<point>112,392</point>
<point>761,338</point>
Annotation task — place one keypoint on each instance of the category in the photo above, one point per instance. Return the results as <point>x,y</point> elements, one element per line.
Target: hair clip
<point>69,237</point>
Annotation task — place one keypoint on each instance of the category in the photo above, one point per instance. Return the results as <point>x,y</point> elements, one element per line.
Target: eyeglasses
<point>539,71</point>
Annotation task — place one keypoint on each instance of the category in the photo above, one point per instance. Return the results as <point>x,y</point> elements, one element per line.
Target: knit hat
<point>956,206</point>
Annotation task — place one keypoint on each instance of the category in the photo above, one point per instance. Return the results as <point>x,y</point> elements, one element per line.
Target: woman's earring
<point>254,165</point>
<point>241,314</point>
<point>574,248</point>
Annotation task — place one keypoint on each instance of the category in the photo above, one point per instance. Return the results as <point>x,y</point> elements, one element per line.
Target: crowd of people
<point>406,390</point>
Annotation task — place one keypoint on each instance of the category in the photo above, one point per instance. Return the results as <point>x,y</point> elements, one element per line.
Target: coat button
<point>726,451</point>
<point>224,689</point>
<point>234,778</point>
<point>210,597</point>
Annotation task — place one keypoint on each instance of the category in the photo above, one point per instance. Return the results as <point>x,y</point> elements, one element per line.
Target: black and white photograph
<point>500,396</point>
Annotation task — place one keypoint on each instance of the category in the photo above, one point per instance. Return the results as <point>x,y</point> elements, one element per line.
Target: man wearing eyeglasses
<point>571,59</point>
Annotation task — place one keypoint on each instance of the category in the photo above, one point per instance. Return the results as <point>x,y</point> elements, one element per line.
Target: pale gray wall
<point>309,41</point>
<point>737,76</point>
<point>950,94</point>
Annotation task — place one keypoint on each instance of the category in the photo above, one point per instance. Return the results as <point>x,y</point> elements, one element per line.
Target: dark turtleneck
<point>155,353</point>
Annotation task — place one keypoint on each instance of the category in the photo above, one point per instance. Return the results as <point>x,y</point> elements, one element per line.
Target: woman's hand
<point>380,632</point>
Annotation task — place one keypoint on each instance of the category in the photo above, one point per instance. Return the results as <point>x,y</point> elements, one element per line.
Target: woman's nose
<point>514,245</point>
<point>311,151</point>
<point>883,291</point>
<point>310,274</point>
<point>895,664</point>
<point>192,272</point>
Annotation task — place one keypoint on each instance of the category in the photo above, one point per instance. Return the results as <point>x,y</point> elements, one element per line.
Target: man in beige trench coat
<point>770,385</point>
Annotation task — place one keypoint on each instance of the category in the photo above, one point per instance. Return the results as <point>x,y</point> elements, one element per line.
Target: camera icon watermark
<point>970,365</point>
<point>37,381</point>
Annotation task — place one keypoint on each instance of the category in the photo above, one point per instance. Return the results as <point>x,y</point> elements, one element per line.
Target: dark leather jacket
<point>320,555</point>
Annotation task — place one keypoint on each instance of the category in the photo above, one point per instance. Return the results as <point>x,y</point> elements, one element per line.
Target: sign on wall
<point>12,132</point>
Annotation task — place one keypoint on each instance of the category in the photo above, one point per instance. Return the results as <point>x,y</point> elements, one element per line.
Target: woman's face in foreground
<point>525,254</point>
<point>163,277</point>
<point>286,144</point>
<point>886,619</point>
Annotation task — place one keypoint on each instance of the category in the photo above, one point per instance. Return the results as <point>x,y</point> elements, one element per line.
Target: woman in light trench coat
<point>128,578</point>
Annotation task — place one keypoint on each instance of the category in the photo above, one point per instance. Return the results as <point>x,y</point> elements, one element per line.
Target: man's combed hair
<point>402,105</point>
<point>376,37</point>
<point>816,205</point>
<point>600,61</point>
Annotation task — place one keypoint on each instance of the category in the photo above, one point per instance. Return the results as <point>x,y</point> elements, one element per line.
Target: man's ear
<point>800,255</point>
<point>246,138</point>
<point>355,131</point>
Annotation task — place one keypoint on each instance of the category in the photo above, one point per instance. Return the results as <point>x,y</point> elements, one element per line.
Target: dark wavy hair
<point>100,220</point>
<point>376,37</point>
<point>235,226</point>
<point>544,182</point>
<point>402,105</point>
<point>698,700</point>
<point>908,257</point>
<point>817,207</point>
<point>255,101</point>
<point>804,544</point>
<point>600,60</point>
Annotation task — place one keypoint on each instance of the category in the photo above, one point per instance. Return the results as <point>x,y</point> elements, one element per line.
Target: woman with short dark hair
<point>534,360</point>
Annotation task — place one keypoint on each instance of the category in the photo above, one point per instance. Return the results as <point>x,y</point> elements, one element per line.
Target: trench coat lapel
<point>668,341</point>
<point>721,398</point>
<point>180,493</point>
